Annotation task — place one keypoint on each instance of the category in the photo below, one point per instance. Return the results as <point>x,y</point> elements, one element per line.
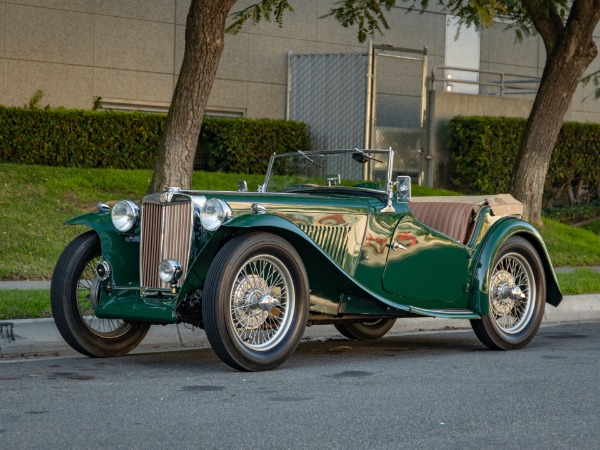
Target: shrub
<point>73,138</point>
<point>245,145</point>
<point>106,139</point>
<point>574,213</point>
<point>484,155</point>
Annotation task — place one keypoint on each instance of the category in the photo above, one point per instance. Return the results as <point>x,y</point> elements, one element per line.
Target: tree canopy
<point>565,26</point>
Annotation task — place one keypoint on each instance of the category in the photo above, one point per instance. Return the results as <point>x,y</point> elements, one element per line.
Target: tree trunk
<point>571,53</point>
<point>204,42</point>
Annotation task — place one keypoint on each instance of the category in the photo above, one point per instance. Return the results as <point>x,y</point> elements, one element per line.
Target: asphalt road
<point>435,390</point>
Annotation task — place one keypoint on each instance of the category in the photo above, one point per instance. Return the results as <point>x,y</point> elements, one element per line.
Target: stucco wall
<point>76,50</point>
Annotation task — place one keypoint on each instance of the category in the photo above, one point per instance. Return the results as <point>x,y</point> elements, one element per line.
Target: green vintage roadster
<point>331,237</point>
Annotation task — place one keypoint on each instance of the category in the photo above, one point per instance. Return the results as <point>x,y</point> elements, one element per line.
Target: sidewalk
<point>39,336</point>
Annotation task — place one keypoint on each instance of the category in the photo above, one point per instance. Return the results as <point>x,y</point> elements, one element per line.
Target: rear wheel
<point>517,293</point>
<point>255,302</point>
<point>367,330</point>
<point>74,293</point>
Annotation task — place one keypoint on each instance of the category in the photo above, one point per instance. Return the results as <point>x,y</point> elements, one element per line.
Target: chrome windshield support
<point>389,208</point>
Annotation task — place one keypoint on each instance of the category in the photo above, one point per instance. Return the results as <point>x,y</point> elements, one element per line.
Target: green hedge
<point>96,139</point>
<point>245,145</point>
<point>484,152</point>
<point>72,138</point>
<point>574,213</point>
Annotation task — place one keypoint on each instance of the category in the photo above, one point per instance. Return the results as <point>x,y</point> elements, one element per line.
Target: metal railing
<point>503,84</point>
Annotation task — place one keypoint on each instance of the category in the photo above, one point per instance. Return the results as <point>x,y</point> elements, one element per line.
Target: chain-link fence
<point>327,91</point>
<point>373,99</point>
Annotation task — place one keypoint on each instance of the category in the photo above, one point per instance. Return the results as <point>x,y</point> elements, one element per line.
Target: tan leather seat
<point>452,219</point>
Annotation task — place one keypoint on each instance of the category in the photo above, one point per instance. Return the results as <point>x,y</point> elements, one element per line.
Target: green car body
<point>448,280</point>
<point>366,255</point>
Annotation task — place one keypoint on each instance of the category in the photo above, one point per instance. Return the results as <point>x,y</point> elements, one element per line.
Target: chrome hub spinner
<point>504,292</point>
<point>267,302</point>
<point>250,305</point>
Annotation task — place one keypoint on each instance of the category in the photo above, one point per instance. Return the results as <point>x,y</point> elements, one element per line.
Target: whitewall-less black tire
<point>517,297</point>
<point>73,309</point>
<point>255,302</point>
<point>369,330</point>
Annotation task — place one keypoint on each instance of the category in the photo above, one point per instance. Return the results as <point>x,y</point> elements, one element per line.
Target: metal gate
<point>374,99</point>
<point>397,115</point>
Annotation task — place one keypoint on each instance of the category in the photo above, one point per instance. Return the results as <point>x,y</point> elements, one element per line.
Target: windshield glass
<point>358,168</point>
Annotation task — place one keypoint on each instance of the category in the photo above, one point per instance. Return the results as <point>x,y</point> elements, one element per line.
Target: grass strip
<point>15,304</point>
<point>581,281</point>
<point>594,227</point>
<point>570,246</point>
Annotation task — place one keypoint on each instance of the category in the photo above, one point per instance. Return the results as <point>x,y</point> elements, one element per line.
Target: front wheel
<point>517,293</point>
<point>255,302</point>
<point>367,330</point>
<point>73,293</point>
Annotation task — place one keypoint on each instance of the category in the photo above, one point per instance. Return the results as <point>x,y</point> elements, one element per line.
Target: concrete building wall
<point>131,51</point>
<point>76,50</point>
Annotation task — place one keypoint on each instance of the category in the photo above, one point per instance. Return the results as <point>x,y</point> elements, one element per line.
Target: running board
<point>445,313</point>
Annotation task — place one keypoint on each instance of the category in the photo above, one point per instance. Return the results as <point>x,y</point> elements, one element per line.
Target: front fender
<point>320,268</point>
<point>120,250</point>
<point>324,273</point>
<point>486,254</point>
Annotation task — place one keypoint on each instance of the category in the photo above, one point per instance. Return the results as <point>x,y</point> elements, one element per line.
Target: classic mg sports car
<point>331,237</point>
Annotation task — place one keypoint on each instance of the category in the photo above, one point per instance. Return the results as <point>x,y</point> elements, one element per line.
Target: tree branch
<point>259,11</point>
<point>547,22</point>
<point>584,16</point>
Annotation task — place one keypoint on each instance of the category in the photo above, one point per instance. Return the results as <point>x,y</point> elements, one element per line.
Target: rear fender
<point>486,254</point>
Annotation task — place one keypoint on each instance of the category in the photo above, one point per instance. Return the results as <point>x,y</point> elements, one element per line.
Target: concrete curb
<point>40,336</point>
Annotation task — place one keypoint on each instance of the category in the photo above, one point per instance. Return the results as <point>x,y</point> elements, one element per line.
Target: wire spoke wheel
<point>260,308</point>
<point>517,294</point>
<point>512,293</point>
<point>255,302</point>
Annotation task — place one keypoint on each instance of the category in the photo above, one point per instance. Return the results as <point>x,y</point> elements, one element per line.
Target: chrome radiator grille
<point>166,234</point>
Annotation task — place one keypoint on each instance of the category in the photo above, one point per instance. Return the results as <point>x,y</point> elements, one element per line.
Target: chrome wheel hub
<point>247,309</point>
<point>267,302</point>
<point>503,285</point>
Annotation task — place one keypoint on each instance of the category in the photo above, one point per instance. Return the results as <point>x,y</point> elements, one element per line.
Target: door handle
<point>396,246</point>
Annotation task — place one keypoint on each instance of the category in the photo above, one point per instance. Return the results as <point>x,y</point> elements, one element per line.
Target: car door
<point>426,266</point>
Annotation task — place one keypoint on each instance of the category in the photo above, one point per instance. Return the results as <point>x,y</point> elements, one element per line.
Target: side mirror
<point>242,186</point>
<point>360,158</point>
<point>403,189</point>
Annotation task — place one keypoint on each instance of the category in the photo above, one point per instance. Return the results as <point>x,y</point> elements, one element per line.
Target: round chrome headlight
<point>169,270</point>
<point>125,215</point>
<point>213,213</point>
